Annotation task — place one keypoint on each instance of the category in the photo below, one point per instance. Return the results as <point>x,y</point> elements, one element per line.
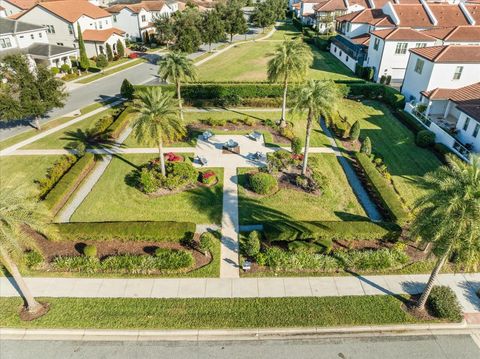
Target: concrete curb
<point>236,334</point>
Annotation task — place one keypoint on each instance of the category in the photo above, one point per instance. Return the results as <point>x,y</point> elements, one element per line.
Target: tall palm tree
<point>449,216</point>
<point>175,67</point>
<point>17,211</point>
<point>157,120</point>
<point>291,62</point>
<point>318,98</point>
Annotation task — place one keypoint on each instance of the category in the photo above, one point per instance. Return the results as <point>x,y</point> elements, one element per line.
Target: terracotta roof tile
<point>367,16</point>
<point>405,34</point>
<point>412,15</point>
<point>72,10</point>
<point>450,53</point>
<point>448,15</point>
<point>474,10</point>
<point>23,4</point>
<point>455,33</point>
<point>136,7</point>
<point>361,39</point>
<point>101,35</point>
<point>330,5</point>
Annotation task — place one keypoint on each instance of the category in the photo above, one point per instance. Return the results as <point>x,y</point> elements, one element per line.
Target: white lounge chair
<point>256,136</point>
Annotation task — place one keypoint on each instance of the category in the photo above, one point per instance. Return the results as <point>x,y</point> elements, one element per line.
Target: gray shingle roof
<point>48,50</point>
<point>9,26</point>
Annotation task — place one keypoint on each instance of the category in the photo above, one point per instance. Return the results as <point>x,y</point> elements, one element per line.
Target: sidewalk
<point>464,286</point>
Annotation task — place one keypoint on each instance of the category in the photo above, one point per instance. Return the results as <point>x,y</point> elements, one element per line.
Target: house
<point>13,7</point>
<point>3,12</point>
<point>32,40</point>
<point>453,115</point>
<point>326,12</point>
<point>138,18</point>
<point>455,35</point>
<point>63,17</point>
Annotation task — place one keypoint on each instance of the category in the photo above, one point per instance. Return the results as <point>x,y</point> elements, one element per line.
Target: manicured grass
<point>111,71</point>
<point>112,199</point>
<point>209,313</point>
<point>285,31</point>
<point>23,170</point>
<point>337,202</point>
<point>395,143</point>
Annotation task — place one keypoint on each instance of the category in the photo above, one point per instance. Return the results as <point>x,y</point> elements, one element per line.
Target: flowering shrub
<point>172,157</point>
<point>208,177</point>
<point>133,55</point>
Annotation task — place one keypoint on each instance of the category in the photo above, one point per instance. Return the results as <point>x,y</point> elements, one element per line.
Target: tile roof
<point>330,5</point>
<point>448,15</point>
<point>72,10</point>
<point>136,7</point>
<point>9,26</point>
<point>363,39</point>
<point>17,15</point>
<point>367,16</point>
<point>101,35</point>
<point>455,33</point>
<point>405,34</point>
<point>449,53</point>
<point>412,15</point>
<point>23,4</point>
<point>474,10</point>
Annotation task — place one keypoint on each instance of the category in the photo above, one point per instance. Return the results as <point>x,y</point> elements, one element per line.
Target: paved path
<point>464,286</point>
<point>357,186</point>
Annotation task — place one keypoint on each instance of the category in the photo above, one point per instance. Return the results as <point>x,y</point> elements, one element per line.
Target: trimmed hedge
<point>385,192</point>
<point>409,121</point>
<point>443,303</point>
<point>62,191</point>
<point>387,94</point>
<point>165,231</point>
<point>324,230</point>
<point>122,121</point>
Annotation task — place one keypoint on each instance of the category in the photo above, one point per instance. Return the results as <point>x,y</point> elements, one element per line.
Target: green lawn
<point>337,202</point>
<point>248,62</point>
<point>113,200</point>
<point>210,313</point>
<point>285,31</point>
<point>107,72</point>
<point>395,143</point>
<point>21,171</point>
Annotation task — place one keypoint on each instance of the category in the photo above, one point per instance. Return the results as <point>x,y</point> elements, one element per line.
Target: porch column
<point>427,111</point>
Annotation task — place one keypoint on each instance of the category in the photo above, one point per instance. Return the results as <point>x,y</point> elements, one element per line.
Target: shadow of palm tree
<point>470,290</point>
<point>93,139</point>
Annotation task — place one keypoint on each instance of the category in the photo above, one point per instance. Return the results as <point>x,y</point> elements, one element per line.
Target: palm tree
<point>156,121</point>
<point>291,62</point>
<point>318,98</point>
<point>16,212</point>
<point>448,216</point>
<point>175,67</point>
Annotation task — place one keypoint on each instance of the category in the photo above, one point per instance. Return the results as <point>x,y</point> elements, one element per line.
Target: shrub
<point>279,160</point>
<point>355,131</point>
<point>425,138</point>
<point>65,68</point>
<point>330,230</point>
<point>90,251</point>
<point>101,61</point>
<point>231,99</point>
<point>263,183</point>
<point>63,189</point>
<point>443,303</point>
<point>393,98</point>
<point>78,147</point>
<point>178,175</point>
<point>121,123</point>
<point>248,121</point>
<point>173,259</point>
<point>251,245</point>
<point>126,231</point>
<point>278,259</point>
<point>55,70</point>
<point>82,264</point>
<point>148,182</point>
<point>442,151</point>
<point>366,146</point>
<point>127,90</point>
<point>54,173</point>
<point>215,121</point>
<point>208,177</point>
<point>173,157</point>
<point>207,242</point>
<point>388,197</point>
<point>309,247</point>
<point>102,124</point>
<point>33,258</point>
<point>371,260</point>
<point>409,121</point>
<point>296,145</point>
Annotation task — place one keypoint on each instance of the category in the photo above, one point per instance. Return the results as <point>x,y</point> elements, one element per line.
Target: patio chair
<point>202,160</point>
<point>256,136</point>
<point>206,135</point>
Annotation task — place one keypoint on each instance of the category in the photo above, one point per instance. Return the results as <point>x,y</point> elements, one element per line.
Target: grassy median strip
<point>111,71</point>
<point>134,313</point>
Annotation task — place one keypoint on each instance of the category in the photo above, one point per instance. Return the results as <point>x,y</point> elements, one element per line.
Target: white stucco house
<point>138,18</point>
<point>3,12</point>
<point>61,18</point>
<point>32,40</point>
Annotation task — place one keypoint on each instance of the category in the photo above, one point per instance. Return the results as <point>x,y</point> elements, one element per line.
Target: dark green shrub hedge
<point>443,303</point>
<point>54,174</point>
<point>393,98</point>
<point>386,94</point>
<point>62,191</point>
<point>122,121</point>
<point>385,192</point>
<point>409,121</point>
<point>127,231</point>
<point>442,151</point>
<point>425,138</point>
<point>330,230</point>
<point>262,183</point>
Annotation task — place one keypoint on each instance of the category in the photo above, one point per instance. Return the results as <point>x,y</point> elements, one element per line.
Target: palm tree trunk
<point>161,157</point>
<point>283,123</point>
<point>37,123</point>
<point>426,292</point>
<point>32,305</point>
<point>179,97</point>
<point>307,142</point>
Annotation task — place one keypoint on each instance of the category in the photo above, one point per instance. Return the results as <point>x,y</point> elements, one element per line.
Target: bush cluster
<point>443,303</point>
<point>208,177</point>
<point>122,121</point>
<point>262,183</point>
<point>386,94</point>
<point>32,258</point>
<point>425,138</point>
<point>207,242</point>
<point>90,251</point>
<point>296,145</point>
<point>54,173</point>
<point>178,175</point>
<point>252,244</point>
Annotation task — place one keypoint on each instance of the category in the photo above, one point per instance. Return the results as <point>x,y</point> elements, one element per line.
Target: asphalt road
<point>385,347</point>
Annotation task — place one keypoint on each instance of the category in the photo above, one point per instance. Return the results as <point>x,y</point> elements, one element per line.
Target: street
<point>371,347</point>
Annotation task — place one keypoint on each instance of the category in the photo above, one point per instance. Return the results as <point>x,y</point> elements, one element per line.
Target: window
<point>340,53</point>
<point>5,43</point>
<point>32,36</point>
<point>60,43</point>
<point>401,48</point>
<point>114,18</point>
<point>419,66</point>
<point>476,130</point>
<point>467,122</point>
<point>70,29</point>
<point>144,18</point>
<point>376,43</point>
<point>334,49</point>
<point>421,44</point>
<point>100,25</point>
<point>346,58</point>
<point>40,35</point>
<point>50,29</point>
<point>458,73</point>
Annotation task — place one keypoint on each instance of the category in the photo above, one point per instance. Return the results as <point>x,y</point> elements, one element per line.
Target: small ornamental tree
<point>120,48</point>
<point>366,146</point>
<point>355,131</point>
<point>146,38</point>
<point>84,61</point>
<point>109,53</point>
<point>101,61</point>
<point>127,90</point>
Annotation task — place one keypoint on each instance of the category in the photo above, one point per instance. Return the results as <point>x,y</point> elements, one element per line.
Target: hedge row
<point>409,121</point>
<point>121,123</point>
<point>385,192</point>
<point>326,231</point>
<point>378,91</point>
<point>62,191</point>
<point>127,231</point>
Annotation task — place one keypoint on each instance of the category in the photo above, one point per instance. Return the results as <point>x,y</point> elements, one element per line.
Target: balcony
<point>444,129</point>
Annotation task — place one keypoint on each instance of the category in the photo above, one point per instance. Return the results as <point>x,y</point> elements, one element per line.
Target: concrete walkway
<point>464,286</point>
<point>357,186</point>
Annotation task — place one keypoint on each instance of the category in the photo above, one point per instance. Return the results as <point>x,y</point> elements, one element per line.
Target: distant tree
<point>263,15</point>
<point>127,90</point>
<point>84,61</point>
<point>366,146</point>
<point>146,37</point>
<point>213,29</point>
<point>28,92</point>
<point>164,29</point>
<point>186,29</point>
<point>109,53</point>
<point>120,48</point>
<point>233,19</point>
<point>101,62</point>
<point>355,131</point>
